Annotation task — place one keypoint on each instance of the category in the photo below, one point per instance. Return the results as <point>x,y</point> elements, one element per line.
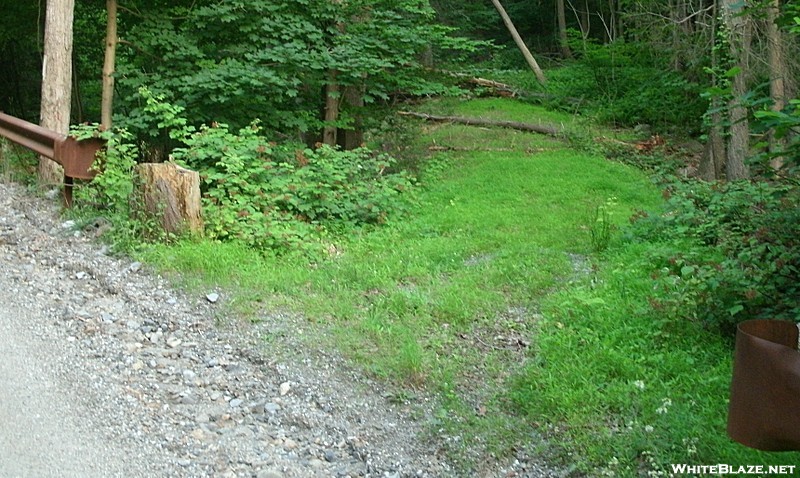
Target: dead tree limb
<point>520,43</point>
<point>533,128</point>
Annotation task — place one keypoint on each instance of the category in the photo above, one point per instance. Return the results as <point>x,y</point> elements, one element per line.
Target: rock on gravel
<point>105,371</point>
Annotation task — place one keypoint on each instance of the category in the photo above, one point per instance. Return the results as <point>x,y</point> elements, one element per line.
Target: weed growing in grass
<point>111,196</point>
<point>282,198</point>
<point>602,226</point>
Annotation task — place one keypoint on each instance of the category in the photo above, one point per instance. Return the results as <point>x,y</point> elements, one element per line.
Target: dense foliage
<point>280,198</point>
<point>725,252</point>
<point>623,84</point>
<point>232,62</point>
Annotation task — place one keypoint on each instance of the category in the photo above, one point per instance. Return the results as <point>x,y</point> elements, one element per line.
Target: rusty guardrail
<point>76,157</point>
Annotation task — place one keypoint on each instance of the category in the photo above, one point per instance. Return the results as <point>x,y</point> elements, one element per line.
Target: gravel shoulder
<point>107,371</point>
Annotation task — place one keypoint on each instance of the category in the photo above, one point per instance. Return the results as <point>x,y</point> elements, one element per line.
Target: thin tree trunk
<point>712,163</point>
<point>676,55</point>
<point>521,44</point>
<point>56,79</point>
<point>562,29</point>
<point>353,138</point>
<point>777,73</point>
<point>586,21</point>
<point>739,40</point>
<point>106,108</point>
<point>332,96</point>
<point>77,102</point>
<point>616,21</point>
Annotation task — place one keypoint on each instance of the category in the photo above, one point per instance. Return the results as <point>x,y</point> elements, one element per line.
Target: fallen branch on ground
<point>534,128</point>
<point>438,147</point>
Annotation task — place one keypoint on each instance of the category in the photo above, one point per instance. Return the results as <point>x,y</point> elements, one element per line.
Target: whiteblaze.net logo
<point>722,469</point>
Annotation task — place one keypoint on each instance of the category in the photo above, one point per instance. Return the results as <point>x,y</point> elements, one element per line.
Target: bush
<point>280,198</point>
<point>620,84</point>
<point>729,251</point>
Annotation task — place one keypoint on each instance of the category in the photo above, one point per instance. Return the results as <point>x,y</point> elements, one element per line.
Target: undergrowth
<point>280,198</point>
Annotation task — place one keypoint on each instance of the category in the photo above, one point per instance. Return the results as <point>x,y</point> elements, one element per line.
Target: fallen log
<point>530,127</point>
<point>439,147</point>
<point>494,87</point>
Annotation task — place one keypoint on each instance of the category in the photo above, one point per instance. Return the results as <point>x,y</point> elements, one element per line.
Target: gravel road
<point>107,371</point>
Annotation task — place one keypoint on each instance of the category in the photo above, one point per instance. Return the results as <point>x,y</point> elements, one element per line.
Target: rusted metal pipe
<point>32,136</point>
<point>76,157</point>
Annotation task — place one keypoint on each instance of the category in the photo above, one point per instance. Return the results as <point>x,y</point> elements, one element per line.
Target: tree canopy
<point>301,66</point>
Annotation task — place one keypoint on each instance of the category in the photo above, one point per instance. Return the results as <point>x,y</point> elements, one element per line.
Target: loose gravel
<point>107,371</point>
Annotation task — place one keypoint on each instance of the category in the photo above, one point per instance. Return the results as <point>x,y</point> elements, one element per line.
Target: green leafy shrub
<point>281,198</point>
<point>110,199</point>
<point>785,124</point>
<point>113,186</point>
<point>729,251</point>
<point>620,84</point>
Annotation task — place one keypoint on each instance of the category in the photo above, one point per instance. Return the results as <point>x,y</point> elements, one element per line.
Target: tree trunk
<point>777,75</point>
<point>56,79</point>
<point>77,103</point>
<point>562,29</point>
<point>586,21</point>
<point>712,163</point>
<point>171,194</point>
<point>332,95</point>
<point>106,108</point>
<point>521,44</point>
<point>354,137</point>
<point>739,41</point>
<point>676,40</point>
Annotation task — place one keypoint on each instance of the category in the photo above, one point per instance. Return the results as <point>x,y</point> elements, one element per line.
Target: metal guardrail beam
<point>76,157</point>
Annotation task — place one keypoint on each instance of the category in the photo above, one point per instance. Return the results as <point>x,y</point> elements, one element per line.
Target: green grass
<point>16,164</point>
<point>491,295</point>
<point>632,390</point>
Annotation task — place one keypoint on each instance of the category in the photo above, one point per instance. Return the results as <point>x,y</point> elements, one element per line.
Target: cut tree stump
<point>534,128</point>
<point>171,194</point>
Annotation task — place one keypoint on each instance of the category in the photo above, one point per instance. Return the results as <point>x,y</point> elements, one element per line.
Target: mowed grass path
<point>493,230</point>
<point>432,299</point>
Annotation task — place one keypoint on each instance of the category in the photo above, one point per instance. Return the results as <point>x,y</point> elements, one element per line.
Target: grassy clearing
<point>492,295</point>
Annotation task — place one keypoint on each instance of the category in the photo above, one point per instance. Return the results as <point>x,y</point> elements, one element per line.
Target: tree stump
<point>171,194</point>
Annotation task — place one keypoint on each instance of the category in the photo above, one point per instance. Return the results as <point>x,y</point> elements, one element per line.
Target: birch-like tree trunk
<point>56,79</point>
<point>739,34</point>
<point>586,21</point>
<point>106,108</point>
<point>520,44</point>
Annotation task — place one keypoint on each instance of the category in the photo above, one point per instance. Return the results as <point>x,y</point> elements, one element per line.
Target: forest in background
<point>311,69</point>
